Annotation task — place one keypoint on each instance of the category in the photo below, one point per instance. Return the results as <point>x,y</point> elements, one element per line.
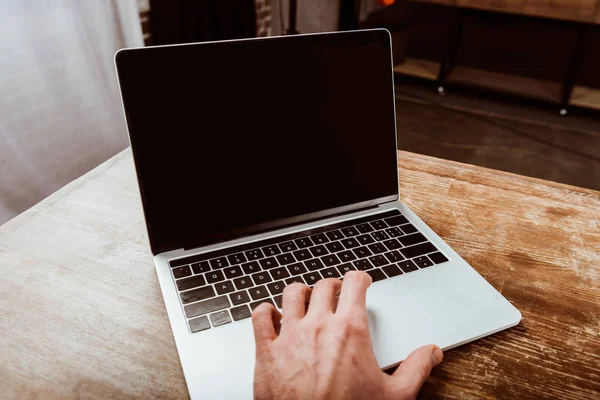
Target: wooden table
<point>82,316</point>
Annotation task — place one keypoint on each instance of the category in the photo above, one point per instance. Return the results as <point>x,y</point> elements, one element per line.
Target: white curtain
<point>60,111</point>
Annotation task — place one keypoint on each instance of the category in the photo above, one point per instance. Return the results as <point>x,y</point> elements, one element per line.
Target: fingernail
<point>436,356</point>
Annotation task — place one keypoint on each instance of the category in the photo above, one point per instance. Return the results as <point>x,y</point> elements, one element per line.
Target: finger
<point>412,372</point>
<point>266,322</point>
<point>295,297</point>
<point>323,296</point>
<point>354,292</point>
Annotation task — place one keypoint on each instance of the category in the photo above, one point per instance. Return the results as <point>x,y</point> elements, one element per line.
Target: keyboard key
<point>334,235</point>
<point>418,250</point>
<point>258,292</point>
<point>214,276</point>
<point>362,252</point>
<point>318,251</point>
<point>321,238</point>
<point>350,231</point>
<point>288,246</point>
<point>394,232</point>
<point>200,267</point>
<point>278,301</point>
<point>312,277</point>
<point>397,220</point>
<point>257,303</point>
<point>364,228</point>
<point>243,283</point>
<point>422,262</point>
<point>345,268</point>
<point>394,256</point>
<point>276,287</point>
<point>285,259</point>
<point>346,256</point>
<point>296,269</point>
<point>241,312</point>
<point>377,274</point>
<point>190,283</point>
<point>378,260</point>
<point>202,293</point>
<point>236,258</point>
<point>408,228</point>
<point>233,272</point>
<point>261,278</point>
<point>314,264</point>
<point>181,272</point>
<point>254,254</point>
<point>220,262</point>
<point>330,260</point>
<point>207,306</point>
<point>414,238</point>
<point>302,255</point>
<point>379,224</point>
<point>251,267</point>
<point>438,258</point>
<point>334,247</point>
<point>271,250</point>
<point>330,273</point>
<point>365,239</point>
<point>350,243</point>
<point>377,248</point>
<point>362,265</point>
<point>238,298</point>
<point>224,287</point>
<point>407,266</point>
<point>268,263</point>
<point>380,236</point>
<point>199,324</point>
<point>392,244</point>
<point>279,273</point>
<point>303,243</point>
<point>392,270</point>
<point>294,279</point>
<point>220,318</point>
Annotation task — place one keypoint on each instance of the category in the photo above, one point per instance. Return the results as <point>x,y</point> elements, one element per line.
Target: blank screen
<point>230,136</point>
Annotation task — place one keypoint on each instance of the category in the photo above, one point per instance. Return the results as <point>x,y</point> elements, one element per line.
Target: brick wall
<point>263,17</point>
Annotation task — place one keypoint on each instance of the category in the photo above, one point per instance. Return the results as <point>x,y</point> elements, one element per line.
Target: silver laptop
<point>269,161</point>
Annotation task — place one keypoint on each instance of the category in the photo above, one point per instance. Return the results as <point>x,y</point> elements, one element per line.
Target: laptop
<point>263,162</point>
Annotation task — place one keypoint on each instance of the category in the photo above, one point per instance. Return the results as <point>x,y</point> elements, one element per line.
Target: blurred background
<point>512,85</point>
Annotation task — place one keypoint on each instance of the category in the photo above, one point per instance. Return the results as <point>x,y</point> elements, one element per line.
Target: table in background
<point>82,315</point>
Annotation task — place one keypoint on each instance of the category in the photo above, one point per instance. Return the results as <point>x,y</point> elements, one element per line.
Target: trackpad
<point>397,323</point>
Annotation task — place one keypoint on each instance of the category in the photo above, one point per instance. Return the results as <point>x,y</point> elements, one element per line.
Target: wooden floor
<point>495,135</point>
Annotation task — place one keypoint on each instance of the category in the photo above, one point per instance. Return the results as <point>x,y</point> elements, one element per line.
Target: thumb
<point>412,372</point>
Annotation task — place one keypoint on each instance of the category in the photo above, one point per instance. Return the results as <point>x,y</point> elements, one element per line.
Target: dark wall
<point>185,21</point>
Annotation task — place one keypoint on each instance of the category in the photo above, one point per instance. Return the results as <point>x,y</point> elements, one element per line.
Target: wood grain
<point>583,96</point>
<point>509,6</point>
<point>572,10</point>
<point>419,68</point>
<point>445,2</point>
<point>82,315</point>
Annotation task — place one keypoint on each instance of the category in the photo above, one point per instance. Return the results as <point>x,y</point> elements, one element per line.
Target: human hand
<point>326,352</point>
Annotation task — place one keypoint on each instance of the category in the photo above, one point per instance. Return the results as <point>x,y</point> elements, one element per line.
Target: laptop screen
<point>233,138</point>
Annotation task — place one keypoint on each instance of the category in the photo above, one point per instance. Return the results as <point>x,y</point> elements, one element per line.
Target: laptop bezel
<point>279,223</point>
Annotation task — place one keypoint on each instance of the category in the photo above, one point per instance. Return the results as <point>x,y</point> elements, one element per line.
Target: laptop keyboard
<point>226,285</point>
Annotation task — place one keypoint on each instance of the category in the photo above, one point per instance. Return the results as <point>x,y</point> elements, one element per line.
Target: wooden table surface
<point>82,316</point>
